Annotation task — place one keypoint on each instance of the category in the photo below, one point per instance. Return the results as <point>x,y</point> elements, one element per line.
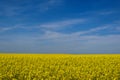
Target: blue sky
<point>60,26</point>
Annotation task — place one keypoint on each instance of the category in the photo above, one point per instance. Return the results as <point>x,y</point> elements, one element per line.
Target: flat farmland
<point>59,66</point>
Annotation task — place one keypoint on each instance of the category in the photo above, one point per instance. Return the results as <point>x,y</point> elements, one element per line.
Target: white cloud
<point>3,29</point>
<point>46,26</point>
<point>80,42</point>
<point>118,28</point>
<point>92,30</point>
<point>62,24</point>
<point>17,26</point>
<point>73,44</point>
<point>55,42</point>
<point>106,12</point>
<point>19,7</point>
<point>57,35</point>
<point>97,13</point>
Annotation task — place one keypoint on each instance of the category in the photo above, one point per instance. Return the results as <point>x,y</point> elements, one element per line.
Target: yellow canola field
<point>59,67</point>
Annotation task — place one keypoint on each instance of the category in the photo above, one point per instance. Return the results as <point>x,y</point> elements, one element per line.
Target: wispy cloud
<point>3,29</point>
<point>80,44</point>
<point>17,26</point>
<point>117,28</point>
<point>77,42</point>
<point>97,13</point>
<point>106,12</point>
<point>15,10</point>
<point>62,24</point>
<point>92,30</point>
<point>58,35</point>
<point>50,29</point>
